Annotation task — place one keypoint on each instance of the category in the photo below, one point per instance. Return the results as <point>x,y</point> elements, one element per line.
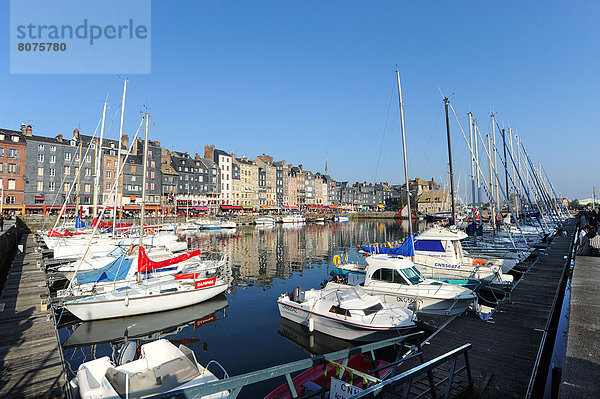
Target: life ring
<point>337,260</point>
<point>477,262</point>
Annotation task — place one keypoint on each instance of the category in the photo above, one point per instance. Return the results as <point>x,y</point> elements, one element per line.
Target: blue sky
<point>304,79</point>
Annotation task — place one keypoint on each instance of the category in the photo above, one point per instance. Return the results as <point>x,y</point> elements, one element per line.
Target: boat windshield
<point>412,275</point>
<point>373,309</point>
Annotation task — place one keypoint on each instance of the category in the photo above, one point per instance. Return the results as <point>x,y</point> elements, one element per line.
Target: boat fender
<point>337,260</point>
<point>130,249</point>
<point>477,262</point>
<point>126,300</point>
<point>311,324</point>
<point>345,257</point>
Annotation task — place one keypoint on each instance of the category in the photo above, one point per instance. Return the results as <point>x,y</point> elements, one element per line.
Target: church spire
<point>326,171</point>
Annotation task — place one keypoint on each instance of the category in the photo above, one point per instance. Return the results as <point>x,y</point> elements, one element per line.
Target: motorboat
<point>264,221</point>
<point>341,218</point>
<point>348,313</point>
<point>395,279</point>
<point>161,368</point>
<point>294,218</point>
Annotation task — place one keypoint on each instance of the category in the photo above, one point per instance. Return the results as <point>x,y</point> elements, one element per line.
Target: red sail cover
<point>105,225</point>
<point>146,265</point>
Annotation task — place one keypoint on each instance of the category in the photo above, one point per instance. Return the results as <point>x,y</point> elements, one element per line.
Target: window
<point>413,275</point>
<point>52,158</point>
<point>53,148</point>
<point>150,153</point>
<point>338,310</point>
<point>87,172</point>
<point>152,164</point>
<point>15,139</point>
<point>40,147</point>
<point>40,171</point>
<point>107,186</point>
<point>67,156</point>
<point>388,275</point>
<point>373,309</point>
<point>40,186</point>
<point>108,174</point>
<point>12,184</point>
<point>1,152</point>
<point>67,170</point>
<point>10,199</point>
<point>108,164</point>
<point>133,178</point>
<point>132,168</point>
<point>88,159</point>
<point>40,157</point>
<point>87,187</point>
<point>151,186</point>
<point>12,168</point>
<point>51,186</point>
<point>66,187</point>
<point>152,175</point>
<point>1,167</point>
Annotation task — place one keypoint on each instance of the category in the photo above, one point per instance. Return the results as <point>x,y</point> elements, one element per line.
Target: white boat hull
<point>93,309</point>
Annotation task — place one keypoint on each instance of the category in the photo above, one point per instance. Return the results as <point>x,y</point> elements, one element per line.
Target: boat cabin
<point>440,243</point>
<point>398,270</point>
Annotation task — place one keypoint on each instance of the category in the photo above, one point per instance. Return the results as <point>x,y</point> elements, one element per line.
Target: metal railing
<point>406,378</point>
<point>235,384</point>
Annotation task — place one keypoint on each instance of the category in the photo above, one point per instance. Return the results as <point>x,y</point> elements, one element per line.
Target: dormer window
<point>2,136</point>
<point>15,139</point>
<point>73,143</point>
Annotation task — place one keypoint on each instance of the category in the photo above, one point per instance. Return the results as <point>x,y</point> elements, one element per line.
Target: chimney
<point>197,157</point>
<point>59,138</point>
<point>23,129</point>
<point>300,167</point>
<point>76,134</point>
<point>29,131</point>
<point>125,141</point>
<point>209,152</point>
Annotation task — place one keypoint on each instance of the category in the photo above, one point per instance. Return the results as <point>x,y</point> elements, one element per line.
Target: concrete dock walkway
<point>581,371</point>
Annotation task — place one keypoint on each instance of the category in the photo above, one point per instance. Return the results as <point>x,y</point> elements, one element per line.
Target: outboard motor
<point>297,295</point>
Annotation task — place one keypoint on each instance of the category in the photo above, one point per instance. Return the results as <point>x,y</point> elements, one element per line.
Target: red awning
<point>201,208</point>
<point>39,198</point>
<point>231,207</point>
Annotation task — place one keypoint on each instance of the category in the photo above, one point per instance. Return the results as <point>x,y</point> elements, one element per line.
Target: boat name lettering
<point>448,266</point>
<point>289,308</point>
<point>206,283</point>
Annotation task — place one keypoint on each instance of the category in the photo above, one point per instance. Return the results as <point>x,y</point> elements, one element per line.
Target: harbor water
<point>242,330</point>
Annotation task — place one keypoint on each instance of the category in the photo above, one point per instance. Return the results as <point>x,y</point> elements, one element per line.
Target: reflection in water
<point>313,343</point>
<point>264,263</point>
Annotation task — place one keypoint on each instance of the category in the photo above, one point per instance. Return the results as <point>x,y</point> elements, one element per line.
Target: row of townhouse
<point>40,174</point>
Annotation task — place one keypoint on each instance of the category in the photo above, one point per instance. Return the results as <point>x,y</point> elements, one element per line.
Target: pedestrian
<point>1,223</point>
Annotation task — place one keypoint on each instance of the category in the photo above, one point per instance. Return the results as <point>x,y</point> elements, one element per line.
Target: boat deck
<point>30,354</point>
<point>581,371</point>
<point>505,348</point>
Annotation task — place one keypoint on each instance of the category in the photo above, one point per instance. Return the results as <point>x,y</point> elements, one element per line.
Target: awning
<point>200,208</point>
<point>291,207</point>
<point>39,198</point>
<point>40,206</point>
<point>247,207</point>
<point>231,207</point>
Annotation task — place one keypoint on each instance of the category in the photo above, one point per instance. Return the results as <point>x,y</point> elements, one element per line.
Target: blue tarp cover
<point>80,223</point>
<point>115,270</point>
<point>406,249</point>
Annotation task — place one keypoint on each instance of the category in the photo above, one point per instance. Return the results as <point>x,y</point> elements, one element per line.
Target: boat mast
<point>473,206</point>
<point>506,167</point>
<point>119,162</point>
<point>78,175</point>
<point>410,231</point>
<point>492,208</point>
<point>143,206</point>
<point>476,129</point>
<point>446,104</point>
<point>495,159</point>
<point>98,162</point>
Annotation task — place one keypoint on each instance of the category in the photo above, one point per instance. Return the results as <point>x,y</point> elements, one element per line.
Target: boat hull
<point>336,327</point>
<point>92,309</point>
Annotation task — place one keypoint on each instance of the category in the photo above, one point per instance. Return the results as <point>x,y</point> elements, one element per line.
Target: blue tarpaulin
<point>80,223</point>
<point>115,270</point>
<point>406,249</point>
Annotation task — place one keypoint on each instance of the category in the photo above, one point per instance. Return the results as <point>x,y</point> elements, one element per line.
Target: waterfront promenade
<point>30,356</point>
<point>581,371</point>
